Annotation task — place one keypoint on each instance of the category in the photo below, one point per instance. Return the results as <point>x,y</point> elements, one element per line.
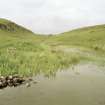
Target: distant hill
<point>9,26</point>
<point>12,34</point>
<point>88,37</point>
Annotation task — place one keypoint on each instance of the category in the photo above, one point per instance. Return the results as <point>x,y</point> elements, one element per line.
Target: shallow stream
<point>82,85</point>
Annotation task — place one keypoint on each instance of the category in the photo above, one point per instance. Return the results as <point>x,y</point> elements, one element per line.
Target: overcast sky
<point>53,16</point>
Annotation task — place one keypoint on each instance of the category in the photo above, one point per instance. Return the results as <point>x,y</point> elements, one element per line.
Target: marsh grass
<point>26,59</point>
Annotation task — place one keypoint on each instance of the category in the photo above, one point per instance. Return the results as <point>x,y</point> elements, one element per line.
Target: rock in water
<point>28,85</point>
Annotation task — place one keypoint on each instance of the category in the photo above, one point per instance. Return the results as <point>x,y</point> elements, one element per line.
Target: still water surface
<point>84,85</point>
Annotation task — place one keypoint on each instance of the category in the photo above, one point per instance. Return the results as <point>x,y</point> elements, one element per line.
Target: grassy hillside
<point>8,26</point>
<point>91,37</point>
<point>25,53</point>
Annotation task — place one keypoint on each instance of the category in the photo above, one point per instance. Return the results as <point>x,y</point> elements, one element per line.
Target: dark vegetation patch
<point>11,81</point>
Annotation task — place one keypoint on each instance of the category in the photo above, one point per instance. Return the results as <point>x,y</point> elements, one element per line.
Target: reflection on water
<point>85,85</point>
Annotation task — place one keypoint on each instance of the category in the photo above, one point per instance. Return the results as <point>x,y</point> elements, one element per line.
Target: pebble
<point>28,85</point>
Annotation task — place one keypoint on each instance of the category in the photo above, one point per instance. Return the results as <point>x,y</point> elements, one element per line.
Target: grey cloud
<point>53,16</point>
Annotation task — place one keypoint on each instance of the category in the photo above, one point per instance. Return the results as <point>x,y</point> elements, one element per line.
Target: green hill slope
<point>92,37</point>
<point>9,26</point>
<point>12,34</point>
